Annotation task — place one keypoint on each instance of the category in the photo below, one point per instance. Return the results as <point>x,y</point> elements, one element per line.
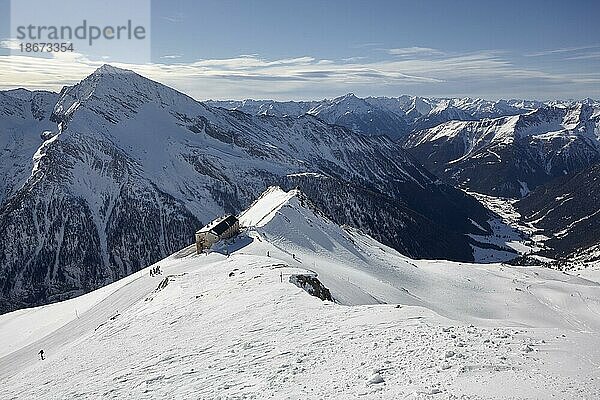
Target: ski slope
<point>213,326</point>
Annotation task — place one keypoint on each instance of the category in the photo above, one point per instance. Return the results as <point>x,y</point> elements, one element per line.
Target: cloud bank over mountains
<point>489,74</point>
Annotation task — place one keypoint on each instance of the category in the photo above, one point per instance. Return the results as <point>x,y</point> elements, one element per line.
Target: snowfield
<point>213,326</point>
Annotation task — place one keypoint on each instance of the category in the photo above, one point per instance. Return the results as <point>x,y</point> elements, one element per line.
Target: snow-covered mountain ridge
<point>234,326</point>
<point>510,156</point>
<point>501,148</point>
<point>24,116</point>
<point>128,169</point>
<point>415,112</point>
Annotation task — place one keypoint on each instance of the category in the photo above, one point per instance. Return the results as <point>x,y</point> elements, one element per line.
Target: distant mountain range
<point>502,148</point>
<point>505,148</point>
<point>118,171</point>
<point>391,116</point>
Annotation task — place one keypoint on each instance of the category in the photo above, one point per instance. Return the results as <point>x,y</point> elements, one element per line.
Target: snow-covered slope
<point>392,116</point>
<point>266,107</point>
<point>131,168</point>
<point>382,275</point>
<point>361,116</point>
<point>24,117</point>
<point>443,112</point>
<point>349,111</point>
<point>510,156</point>
<point>214,326</point>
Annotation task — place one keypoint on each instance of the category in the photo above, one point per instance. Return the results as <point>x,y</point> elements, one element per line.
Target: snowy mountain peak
<point>548,141</point>
<point>346,103</point>
<point>347,97</point>
<point>20,93</point>
<point>117,94</point>
<point>110,81</point>
<point>263,209</point>
<point>420,106</point>
<point>109,69</point>
<point>106,76</point>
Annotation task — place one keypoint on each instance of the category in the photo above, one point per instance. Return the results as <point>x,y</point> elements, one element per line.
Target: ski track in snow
<point>214,327</point>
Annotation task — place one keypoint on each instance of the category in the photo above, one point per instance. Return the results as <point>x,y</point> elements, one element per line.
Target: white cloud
<point>354,59</point>
<point>414,51</point>
<point>175,18</point>
<point>482,74</point>
<point>10,44</point>
<point>560,51</point>
<point>366,45</point>
<point>586,56</point>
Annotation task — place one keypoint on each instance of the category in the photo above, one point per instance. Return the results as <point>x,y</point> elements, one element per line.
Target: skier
<point>41,353</point>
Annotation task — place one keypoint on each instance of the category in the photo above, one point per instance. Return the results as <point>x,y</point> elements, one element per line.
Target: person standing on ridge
<point>41,353</point>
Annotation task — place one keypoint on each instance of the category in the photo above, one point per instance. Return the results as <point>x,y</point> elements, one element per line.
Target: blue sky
<point>313,49</point>
<point>336,29</point>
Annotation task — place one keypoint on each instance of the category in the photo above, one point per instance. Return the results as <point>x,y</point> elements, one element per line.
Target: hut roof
<point>219,225</point>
